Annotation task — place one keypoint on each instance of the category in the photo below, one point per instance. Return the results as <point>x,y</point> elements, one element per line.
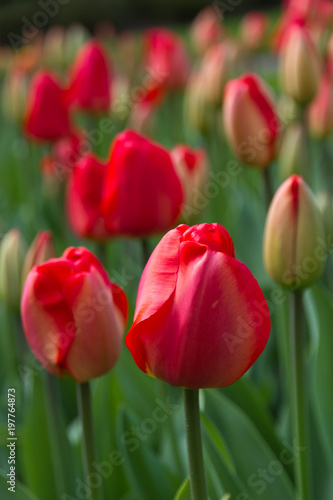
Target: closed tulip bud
<point>90,79</point>
<point>73,315</point>
<point>294,155</point>
<point>294,244</point>
<point>142,193</point>
<point>201,319</point>
<point>143,111</point>
<point>216,69</point>
<point>12,254</point>
<point>250,120</point>
<point>320,113</point>
<point>166,58</point>
<point>192,168</point>
<point>299,65</point>
<point>198,115</point>
<point>206,29</point>
<point>46,114</point>
<point>40,250</point>
<point>83,199</point>
<point>253,30</point>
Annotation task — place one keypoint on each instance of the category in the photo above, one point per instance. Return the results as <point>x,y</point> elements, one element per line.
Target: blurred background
<point>123,14</point>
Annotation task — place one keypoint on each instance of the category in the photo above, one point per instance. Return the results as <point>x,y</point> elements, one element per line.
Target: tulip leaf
<point>320,314</point>
<point>184,492</point>
<point>21,491</point>
<point>257,466</point>
<point>145,470</point>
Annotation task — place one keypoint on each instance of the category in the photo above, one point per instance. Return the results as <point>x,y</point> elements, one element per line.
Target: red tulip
<point>143,111</point>
<point>90,79</point>
<point>73,316</point>
<point>254,29</point>
<point>65,153</point>
<point>250,120</point>
<point>142,193</point>
<point>166,58</point>
<point>201,319</point>
<point>84,194</point>
<point>320,112</point>
<point>206,29</point>
<point>46,115</point>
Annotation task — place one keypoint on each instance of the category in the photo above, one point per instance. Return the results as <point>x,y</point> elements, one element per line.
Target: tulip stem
<point>298,402</point>
<point>194,445</point>
<point>268,187</point>
<point>88,442</point>
<point>53,419</point>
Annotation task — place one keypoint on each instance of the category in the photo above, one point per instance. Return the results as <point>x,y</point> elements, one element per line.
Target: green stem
<point>268,187</point>
<point>88,444</point>
<point>145,251</point>
<point>53,420</point>
<point>298,402</point>
<point>194,445</point>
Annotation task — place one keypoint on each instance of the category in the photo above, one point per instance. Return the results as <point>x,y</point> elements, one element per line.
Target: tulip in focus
<point>12,254</point>
<point>83,199</point>
<point>90,79</point>
<point>201,319</point>
<point>142,193</point>
<point>74,316</point>
<point>320,112</point>
<point>166,58</point>
<point>253,29</point>
<point>294,238</point>
<point>299,65</point>
<point>250,120</point>
<point>192,168</point>
<point>40,250</point>
<point>46,114</point>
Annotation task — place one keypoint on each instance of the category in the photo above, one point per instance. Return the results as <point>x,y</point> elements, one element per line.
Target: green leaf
<point>148,476</point>
<point>21,492</point>
<point>257,466</point>
<point>184,492</point>
<point>320,314</point>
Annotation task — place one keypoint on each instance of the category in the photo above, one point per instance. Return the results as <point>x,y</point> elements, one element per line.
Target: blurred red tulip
<point>84,195</point>
<point>90,79</point>
<point>320,112</point>
<point>166,58</point>
<point>250,120</point>
<point>253,29</point>
<point>201,319</point>
<point>65,153</point>
<point>299,64</point>
<point>46,115</point>
<point>73,316</point>
<point>142,193</point>
<point>206,29</point>
<point>143,110</point>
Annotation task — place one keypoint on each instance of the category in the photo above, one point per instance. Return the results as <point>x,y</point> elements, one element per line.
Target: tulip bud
<point>192,168</point>
<point>41,249</point>
<point>250,120</point>
<point>198,115</point>
<point>294,155</point>
<point>294,244</point>
<point>12,254</point>
<point>46,114</point>
<point>14,94</point>
<point>300,65</point>
<point>201,319</point>
<point>320,113</point>
<point>73,316</point>
<point>253,30</point>
<point>206,29</point>
<point>90,79</point>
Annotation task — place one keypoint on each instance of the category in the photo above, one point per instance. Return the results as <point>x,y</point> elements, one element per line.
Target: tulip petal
<point>47,323</point>
<point>211,330</point>
<point>97,344</point>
